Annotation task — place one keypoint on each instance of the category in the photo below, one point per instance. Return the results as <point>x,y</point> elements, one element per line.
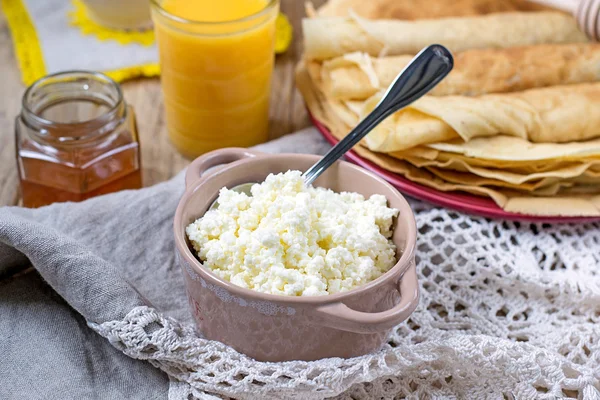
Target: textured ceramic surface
<point>278,328</point>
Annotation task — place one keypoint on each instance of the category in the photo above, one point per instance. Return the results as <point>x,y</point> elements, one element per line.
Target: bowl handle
<point>340,316</point>
<point>216,157</point>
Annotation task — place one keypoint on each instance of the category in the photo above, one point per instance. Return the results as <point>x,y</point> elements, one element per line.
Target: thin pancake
<point>406,9</point>
<point>328,37</point>
<point>556,114</point>
<point>479,71</point>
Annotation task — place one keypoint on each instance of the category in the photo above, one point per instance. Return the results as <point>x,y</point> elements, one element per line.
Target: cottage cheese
<point>289,239</point>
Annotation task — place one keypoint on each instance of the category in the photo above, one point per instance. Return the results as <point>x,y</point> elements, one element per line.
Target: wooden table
<point>160,159</point>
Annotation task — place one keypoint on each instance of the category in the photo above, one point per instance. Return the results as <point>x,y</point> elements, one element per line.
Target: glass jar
<point>120,14</point>
<point>76,138</point>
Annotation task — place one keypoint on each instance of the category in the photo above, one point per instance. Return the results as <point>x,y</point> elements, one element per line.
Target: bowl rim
<point>402,264</point>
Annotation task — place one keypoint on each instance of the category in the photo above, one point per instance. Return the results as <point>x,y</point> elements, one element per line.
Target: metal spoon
<point>421,75</point>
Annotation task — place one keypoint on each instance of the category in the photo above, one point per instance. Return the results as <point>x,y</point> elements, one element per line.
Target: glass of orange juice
<point>216,60</point>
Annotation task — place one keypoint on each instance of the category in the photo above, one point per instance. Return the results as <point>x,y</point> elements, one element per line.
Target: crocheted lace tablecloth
<point>508,310</point>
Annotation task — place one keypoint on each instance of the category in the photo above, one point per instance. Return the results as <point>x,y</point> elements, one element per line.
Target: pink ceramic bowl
<point>279,328</point>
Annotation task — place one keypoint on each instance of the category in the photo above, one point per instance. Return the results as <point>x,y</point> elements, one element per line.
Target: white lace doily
<point>508,310</point>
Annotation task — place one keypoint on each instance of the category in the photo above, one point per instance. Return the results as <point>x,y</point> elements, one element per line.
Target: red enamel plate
<point>466,203</point>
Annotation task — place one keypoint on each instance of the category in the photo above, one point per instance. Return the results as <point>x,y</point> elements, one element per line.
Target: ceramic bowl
<point>270,327</point>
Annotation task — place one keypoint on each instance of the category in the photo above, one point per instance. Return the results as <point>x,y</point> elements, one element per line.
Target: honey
<point>76,138</point>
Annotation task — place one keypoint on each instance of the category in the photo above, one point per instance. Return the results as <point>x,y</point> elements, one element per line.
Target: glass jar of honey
<point>76,138</point>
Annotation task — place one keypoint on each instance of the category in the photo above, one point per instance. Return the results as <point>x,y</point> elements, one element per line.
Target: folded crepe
<point>521,164</point>
<point>577,196</point>
<point>513,177</point>
<point>499,151</point>
<point>556,114</point>
<point>539,187</point>
<point>358,76</point>
<point>513,149</point>
<point>328,37</point>
<point>407,9</point>
<point>570,201</point>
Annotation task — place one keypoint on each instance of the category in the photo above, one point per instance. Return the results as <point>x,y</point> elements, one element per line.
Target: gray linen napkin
<point>92,262</point>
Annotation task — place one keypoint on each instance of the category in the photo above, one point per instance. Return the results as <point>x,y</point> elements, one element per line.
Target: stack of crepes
<point>517,120</point>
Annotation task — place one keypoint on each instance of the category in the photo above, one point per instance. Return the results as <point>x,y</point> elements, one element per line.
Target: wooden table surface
<point>160,159</point>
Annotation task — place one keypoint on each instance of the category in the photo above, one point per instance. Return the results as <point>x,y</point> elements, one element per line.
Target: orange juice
<point>216,60</point>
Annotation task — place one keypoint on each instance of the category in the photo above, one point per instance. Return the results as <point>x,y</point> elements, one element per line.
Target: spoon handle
<point>421,75</point>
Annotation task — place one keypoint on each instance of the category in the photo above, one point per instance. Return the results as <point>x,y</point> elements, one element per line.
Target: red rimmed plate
<point>466,203</point>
